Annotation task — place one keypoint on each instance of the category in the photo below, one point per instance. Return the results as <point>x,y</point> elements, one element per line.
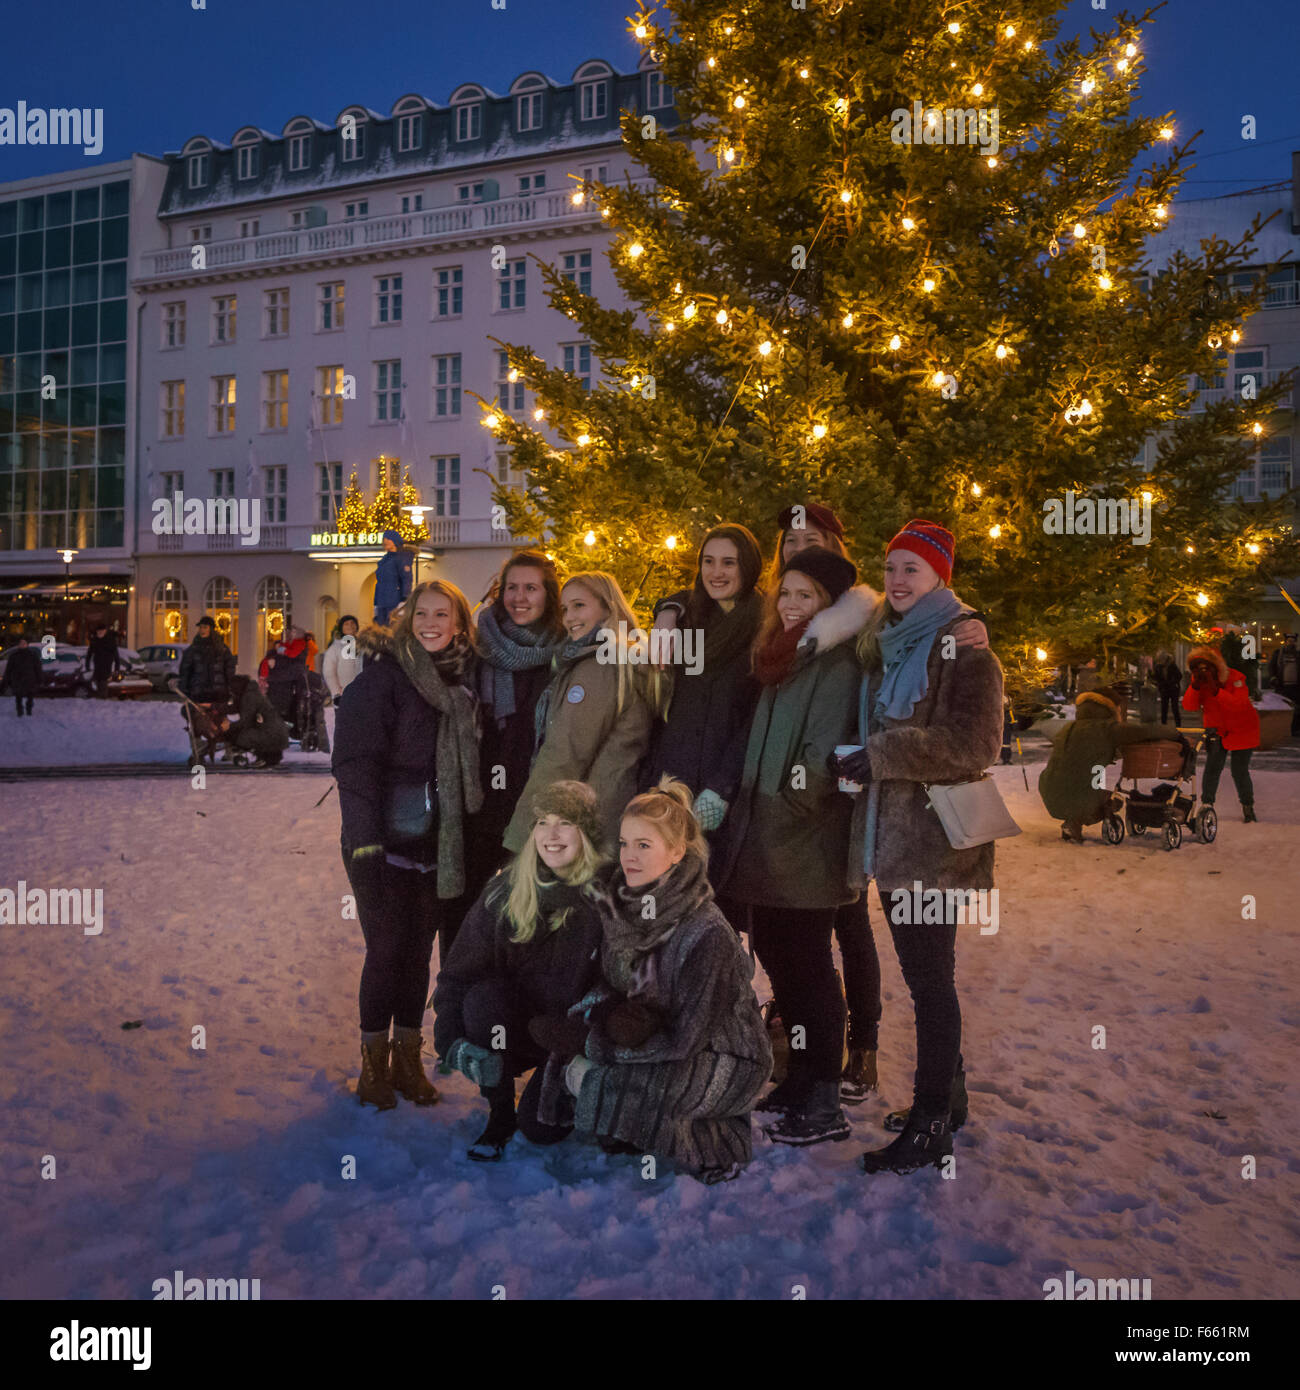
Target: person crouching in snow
<point>929,711</point>
<point>1090,741</point>
<point>526,950</point>
<point>1231,724</point>
<point>677,1052</point>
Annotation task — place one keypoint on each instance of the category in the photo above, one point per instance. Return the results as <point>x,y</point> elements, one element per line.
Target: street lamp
<point>416,511</point>
<point>67,571</point>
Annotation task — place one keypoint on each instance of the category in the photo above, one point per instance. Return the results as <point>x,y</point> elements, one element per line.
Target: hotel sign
<point>346,539</point>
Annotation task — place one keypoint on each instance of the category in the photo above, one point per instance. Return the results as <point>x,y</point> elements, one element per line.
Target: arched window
<point>527,92</point>
<point>198,162</point>
<point>274,610</point>
<point>592,80</point>
<point>408,117</point>
<point>171,611</point>
<point>467,113</point>
<point>221,600</point>
<point>297,136</point>
<point>352,133</point>
<point>248,154</point>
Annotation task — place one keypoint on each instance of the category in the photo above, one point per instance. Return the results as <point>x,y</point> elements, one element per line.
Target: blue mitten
<point>709,809</point>
<point>479,1064</point>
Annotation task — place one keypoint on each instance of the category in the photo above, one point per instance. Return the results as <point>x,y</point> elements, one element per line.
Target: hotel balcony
<point>444,533</point>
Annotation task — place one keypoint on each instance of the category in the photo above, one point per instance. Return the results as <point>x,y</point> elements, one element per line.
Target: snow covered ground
<point>222,911</point>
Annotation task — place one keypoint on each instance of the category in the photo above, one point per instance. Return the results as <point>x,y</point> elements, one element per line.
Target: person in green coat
<point>1085,746</point>
<point>258,729</point>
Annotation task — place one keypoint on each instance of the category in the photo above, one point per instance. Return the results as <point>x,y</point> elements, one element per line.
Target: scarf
<point>439,680</point>
<point>508,648</point>
<point>565,656</point>
<point>728,636</point>
<point>775,659</point>
<point>629,938</point>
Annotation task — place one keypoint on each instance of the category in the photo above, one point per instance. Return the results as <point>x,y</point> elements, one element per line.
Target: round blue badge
<point>576,695</point>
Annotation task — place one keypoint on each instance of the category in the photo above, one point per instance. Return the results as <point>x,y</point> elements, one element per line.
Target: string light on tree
<point>976,490</point>
<point>928,284</point>
<point>589,539</point>
<point>895,343</point>
<point>847,321</point>
<point>819,431</point>
<point>583,440</point>
<point>907,224</point>
<point>995,531</point>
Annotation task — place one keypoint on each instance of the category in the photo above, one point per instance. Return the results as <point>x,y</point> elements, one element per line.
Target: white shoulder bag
<point>972,813</point>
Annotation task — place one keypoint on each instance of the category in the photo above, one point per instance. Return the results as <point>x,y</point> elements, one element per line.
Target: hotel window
<point>223,404</point>
<point>173,324</point>
<point>172,421</point>
<point>510,394</point>
<point>388,299</point>
<point>510,285</point>
<point>531,183</point>
<point>223,482</point>
<point>203,233</point>
<point>354,148</point>
<point>198,170</point>
<point>657,92</point>
<point>329,306</point>
<point>412,202</point>
<point>446,485</point>
<point>275,313</point>
<point>1248,372</point>
<point>385,474</point>
<point>298,219</point>
<point>593,173</point>
<point>329,396</point>
<point>388,391</point>
<point>446,386</point>
<point>353,211</point>
<point>469,192</point>
<point>505,474</point>
<point>299,153</point>
<point>329,491</point>
<point>275,493</point>
<point>595,100</point>
<point>223,318</point>
<point>469,121</point>
<point>250,228</point>
<point>275,400</point>
<point>410,133</point>
<point>576,269</point>
<point>577,362</point>
<point>528,111</point>
<point>1275,465</point>
<point>448,292</point>
<point>172,483</point>
<point>248,163</point>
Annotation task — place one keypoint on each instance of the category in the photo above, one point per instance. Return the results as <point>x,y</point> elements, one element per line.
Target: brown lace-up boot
<point>376,1086</point>
<point>408,1071</point>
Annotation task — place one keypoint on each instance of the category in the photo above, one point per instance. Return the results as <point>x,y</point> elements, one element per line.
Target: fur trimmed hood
<point>1092,704</point>
<point>843,620</point>
<point>1214,656</point>
<point>376,640</point>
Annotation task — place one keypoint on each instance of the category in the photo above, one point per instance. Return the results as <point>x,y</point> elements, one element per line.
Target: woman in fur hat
<point>526,951</point>
<point>676,1053</point>
<point>1091,740</point>
<point>1231,724</point>
<point>592,722</point>
<point>924,715</point>
<point>406,764</point>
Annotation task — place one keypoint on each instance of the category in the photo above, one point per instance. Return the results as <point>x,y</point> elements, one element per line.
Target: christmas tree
<point>413,529</point>
<point>354,514</point>
<point>891,259</point>
<point>385,511</point>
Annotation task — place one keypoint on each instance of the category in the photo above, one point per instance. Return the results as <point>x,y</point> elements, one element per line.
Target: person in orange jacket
<point>1231,724</point>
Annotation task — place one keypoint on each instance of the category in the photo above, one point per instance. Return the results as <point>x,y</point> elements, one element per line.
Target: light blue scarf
<point>905,648</point>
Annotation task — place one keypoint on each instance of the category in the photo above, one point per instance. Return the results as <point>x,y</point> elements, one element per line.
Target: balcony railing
<point>1264,377</point>
<point>444,532</point>
<point>364,234</point>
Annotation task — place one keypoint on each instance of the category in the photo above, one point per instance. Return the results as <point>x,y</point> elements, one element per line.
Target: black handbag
<point>411,815</point>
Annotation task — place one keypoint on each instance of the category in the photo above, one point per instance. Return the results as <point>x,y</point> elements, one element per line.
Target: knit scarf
<point>629,937</point>
<point>439,680</point>
<point>566,656</point>
<point>727,636</point>
<point>507,647</point>
<point>775,659</point>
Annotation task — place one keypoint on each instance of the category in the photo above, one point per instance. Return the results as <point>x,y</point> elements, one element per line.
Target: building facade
<point>67,344</point>
<point>321,302</point>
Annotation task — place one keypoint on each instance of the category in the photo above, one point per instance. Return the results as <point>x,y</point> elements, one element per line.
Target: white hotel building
<point>326,258</point>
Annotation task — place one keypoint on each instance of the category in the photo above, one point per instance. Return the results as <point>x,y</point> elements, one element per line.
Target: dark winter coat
<point>784,845</point>
<point>207,668</point>
<point>588,739</point>
<point>508,745</point>
<point>1228,709</point>
<point>260,729</point>
<point>287,664</point>
<point>551,972</point>
<point>23,671</point>
<point>953,733</point>
<point>392,577</point>
<point>101,654</point>
<point>1284,663</point>
<point>1092,739</point>
<point>1168,677</point>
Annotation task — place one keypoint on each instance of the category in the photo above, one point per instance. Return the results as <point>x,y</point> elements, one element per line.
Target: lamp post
<point>416,511</point>
<point>67,571</point>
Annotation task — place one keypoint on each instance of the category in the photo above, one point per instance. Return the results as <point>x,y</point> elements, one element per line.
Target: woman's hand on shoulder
<point>971,632</point>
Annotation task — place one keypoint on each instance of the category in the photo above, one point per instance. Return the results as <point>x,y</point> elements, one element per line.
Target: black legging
<point>794,946</point>
<point>927,954</point>
<point>1169,704</point>
<point>497,1002</point>
<point>1239,761</point>
<point>399,922</point>
<point>861,972</point>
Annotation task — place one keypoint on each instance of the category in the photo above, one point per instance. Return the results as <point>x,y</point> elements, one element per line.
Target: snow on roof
<point>1194,220</point>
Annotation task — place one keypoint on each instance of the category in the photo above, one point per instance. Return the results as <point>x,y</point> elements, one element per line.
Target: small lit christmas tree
<point>385,513</point>
<point>413,530</point>
<point>354,514</point>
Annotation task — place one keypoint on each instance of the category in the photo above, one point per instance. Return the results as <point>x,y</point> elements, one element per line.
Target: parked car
<point>162,663</point>
<point>65,674</point>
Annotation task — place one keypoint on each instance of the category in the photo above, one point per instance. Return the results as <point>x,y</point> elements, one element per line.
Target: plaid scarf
<point>508,648</point>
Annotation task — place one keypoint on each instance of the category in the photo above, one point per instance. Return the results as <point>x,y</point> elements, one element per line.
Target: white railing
<point>342,238</point>
<point>443,532</point>
<point>1264,377</point>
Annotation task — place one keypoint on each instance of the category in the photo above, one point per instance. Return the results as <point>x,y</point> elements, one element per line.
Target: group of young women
<point>589,839</point>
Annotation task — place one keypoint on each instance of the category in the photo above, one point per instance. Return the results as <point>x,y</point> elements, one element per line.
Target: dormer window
<point>354,146</point>
<point>594,98</point>
<point>410,133</point>
<point>469,121</point>
<point>197,170</point>
<point>657,92</point>
<point>298,139</point>
<point>528,102</point>
<point>248,163</point>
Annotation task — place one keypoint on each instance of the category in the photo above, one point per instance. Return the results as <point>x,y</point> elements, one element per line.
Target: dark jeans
<point>1169,704</point>
<point>1215,757</point>
<point>861,972</point>
<point>794,946</point>
<point>495,1002</point>
<point>927,955</point>
<point>19,701</point>
<point>399,921</point>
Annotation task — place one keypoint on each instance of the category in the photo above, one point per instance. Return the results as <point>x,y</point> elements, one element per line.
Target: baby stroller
<point>1167,807</point>
<point>308,723</point>
<point>202,724</point>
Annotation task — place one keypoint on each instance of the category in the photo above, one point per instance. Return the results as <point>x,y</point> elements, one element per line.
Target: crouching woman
<point>677,1052</point>
<point>526,950</point>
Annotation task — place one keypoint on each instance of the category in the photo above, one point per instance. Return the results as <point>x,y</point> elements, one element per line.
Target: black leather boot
<point>491,1144</point>
<point>925,1142</point>
<point>817,1120</point>
<point>958,1106</point>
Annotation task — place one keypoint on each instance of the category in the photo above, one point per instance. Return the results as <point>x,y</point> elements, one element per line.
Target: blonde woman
<point>525,952</point>
<point>406,763</point>
<point>593,720</point>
